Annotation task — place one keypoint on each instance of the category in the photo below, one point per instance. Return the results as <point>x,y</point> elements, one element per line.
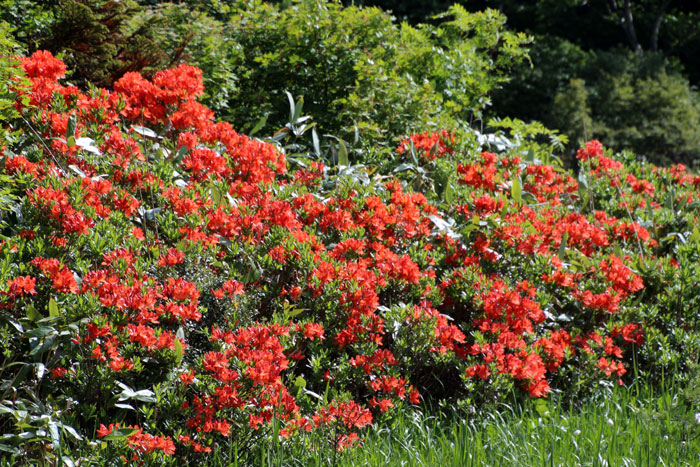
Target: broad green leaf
<point>292,311</point>
<point>290,98</point>
<point>39,369</point>
<point>77,170</point>
<point>404,167</point>
<point>32,314</point>
<point>650,209</point>
<point>71,431</point>
<point>618,251</point>
<point>145,132</point>
<point>449,194</point>
<point>121,433</point>
<point>44,346</point>
<point>88,144</point>
<point>317,144</point>
<point>40,331</point>
<point>216,195</point>
<point>55,436</point>
<point>516,190</point>
<point>179,352</point>
<point>180,154</point>
<point>70,129</point>
<point>562,247</point>
<point>297,110</point>
<point>261,123</point>
<point>53,307</point>
<point>343,154</point>
<point>668,204</point>
<point>695,236</point>
<point>150,214</point>
<point>21,375</point>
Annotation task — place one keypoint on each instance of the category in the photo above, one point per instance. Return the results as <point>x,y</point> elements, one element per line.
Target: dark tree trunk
<point>627,22</point>
<point>654,40</point>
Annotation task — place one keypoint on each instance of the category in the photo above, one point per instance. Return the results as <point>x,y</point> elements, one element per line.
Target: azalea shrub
<point>171,289</point>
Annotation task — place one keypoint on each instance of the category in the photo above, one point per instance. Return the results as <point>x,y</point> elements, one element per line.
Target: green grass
<point>621,429</point>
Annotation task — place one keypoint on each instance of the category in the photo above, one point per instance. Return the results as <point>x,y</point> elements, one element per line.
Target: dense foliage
<point>99,40</point>
<point>636,59</point>
<point>357,70</point>
<point>171,289</point>
<point>619,71</point>
<point>635,101</point>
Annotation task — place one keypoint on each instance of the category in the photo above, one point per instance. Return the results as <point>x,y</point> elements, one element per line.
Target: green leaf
<point>317,144</point>
<point>53,307</point>
<point>121,433</point>
<point>261,123</point>
<point>562,246</point>
<point>650,209</point>
<point>145,132</point>
<point>449,194</point>
<point>40,331</point>
<point>70,129</point>
<point>180,154</point>
<point>44,346</point>
<point>21,375</point>
<point>343,154</point>
<point>55,436</point>
<point>297,109</point>
<point>404,167</point>
<point>216,195</point>
<point>71,431</point>
<point>669,200</point>
<point>541,406</point>
<point>32,314</point>
<point>516,190</point>
<point>695,236</point>
<point>290,98</point>
<point>618,251</point>
<point>179,353</point>
<point>290,311</point>
<point>150,214</point>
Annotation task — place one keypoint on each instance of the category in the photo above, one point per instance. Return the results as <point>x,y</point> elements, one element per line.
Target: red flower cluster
<point>156,238</point>
<point>429,145</point>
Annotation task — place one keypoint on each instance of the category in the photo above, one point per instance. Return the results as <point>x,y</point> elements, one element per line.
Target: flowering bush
<point>168,286</point>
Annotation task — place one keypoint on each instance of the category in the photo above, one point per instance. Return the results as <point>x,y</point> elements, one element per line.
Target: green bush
<point>636,101</point>
<point>529,94</point>
<point>356,67</point>
<point>99,40</point>
<point>639,102</point>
